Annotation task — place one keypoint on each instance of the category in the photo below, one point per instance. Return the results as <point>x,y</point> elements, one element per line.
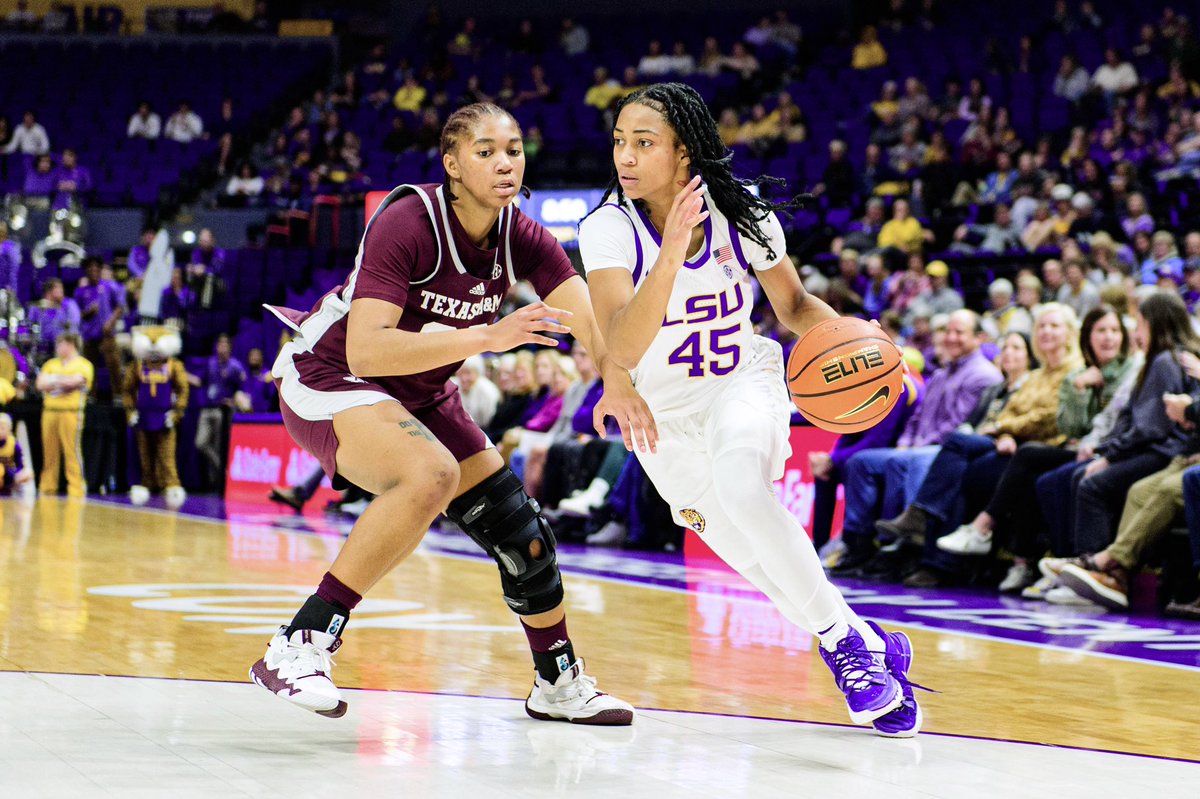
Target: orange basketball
<point>845,375</point>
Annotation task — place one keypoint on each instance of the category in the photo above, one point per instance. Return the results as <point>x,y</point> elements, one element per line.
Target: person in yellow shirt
<point>868,53</point>
<point>64,382</point>
<point>761,130</point>
<point>903,231</point>
<point>1178,88</point>
<point>888,104</point>
<point>729,127</point>
<point>410,96</point>
<point>603,91</point>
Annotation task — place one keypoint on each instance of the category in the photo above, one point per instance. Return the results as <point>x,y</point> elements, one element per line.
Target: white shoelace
<point>853,672</point>
<point>309,657</point>
<point>582,686</point>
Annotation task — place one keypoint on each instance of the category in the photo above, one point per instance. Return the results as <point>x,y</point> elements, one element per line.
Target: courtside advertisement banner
<point>262,455</point>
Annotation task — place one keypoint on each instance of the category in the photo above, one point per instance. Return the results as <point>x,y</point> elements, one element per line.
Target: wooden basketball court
<point>108,592</point>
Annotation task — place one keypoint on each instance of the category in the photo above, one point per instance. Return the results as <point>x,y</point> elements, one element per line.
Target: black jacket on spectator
<point>991,402</point>
<point>508,414</point>
<point>840,182</point>
<point>1143,426</point>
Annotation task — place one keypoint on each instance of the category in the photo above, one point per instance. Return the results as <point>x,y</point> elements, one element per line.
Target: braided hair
<point>458,129</point>
<point>687,114</point>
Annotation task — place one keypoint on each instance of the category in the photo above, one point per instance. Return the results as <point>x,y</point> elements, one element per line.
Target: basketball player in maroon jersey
<point>365,387</point>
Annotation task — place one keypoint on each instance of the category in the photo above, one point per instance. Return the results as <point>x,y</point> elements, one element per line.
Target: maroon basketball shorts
<point>312,392</point>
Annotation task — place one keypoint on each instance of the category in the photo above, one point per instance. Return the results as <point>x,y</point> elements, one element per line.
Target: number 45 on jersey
<point>700,351</point>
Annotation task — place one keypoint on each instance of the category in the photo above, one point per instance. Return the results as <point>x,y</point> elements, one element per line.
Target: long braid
<point>686,112</point>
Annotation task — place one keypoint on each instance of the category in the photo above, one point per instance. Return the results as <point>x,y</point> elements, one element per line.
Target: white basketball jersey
<point>706,337</point>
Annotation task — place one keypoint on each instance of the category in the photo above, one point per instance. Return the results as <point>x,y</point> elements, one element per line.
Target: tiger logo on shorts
<point>693,518</point>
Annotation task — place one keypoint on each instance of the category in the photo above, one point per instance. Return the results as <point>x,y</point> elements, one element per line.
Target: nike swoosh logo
<point>882,394</point>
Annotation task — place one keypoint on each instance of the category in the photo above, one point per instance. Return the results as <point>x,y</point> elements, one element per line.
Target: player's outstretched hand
<point>622,402</point>
<point>524,326</point>
<point>686,212</point>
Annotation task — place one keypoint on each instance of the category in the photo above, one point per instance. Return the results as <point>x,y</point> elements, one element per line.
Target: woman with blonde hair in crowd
<point>1143,441</point>
<point>1163,260</point>
<point>515,379</point>
<point>554,374</point>
<point>969,466</point>
<point>1087,390</point>
<point>1107,268</point>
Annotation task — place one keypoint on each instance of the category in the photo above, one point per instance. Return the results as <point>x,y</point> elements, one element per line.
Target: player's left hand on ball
<point>633,416</point>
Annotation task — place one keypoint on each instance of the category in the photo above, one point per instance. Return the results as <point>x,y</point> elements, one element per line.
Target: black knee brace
<point>504,521</point>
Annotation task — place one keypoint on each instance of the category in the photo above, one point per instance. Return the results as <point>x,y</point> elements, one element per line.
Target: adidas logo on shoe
<point>478,290</point>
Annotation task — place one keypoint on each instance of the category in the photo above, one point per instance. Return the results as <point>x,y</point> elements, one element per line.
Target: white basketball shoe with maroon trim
<point>298,670</point>
<point>573,697</point>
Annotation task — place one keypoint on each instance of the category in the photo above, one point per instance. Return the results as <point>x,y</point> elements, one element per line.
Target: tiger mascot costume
<point>156,396</point>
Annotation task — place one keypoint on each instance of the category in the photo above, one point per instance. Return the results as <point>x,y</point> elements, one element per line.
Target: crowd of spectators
<point>58,180</point>
<point>63,18</point>
<point>1093,417</point>
<point>96,314</point>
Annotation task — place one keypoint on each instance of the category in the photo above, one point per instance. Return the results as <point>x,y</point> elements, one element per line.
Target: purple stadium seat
<point>1054,113</point>
<point>144,194</point>
<point>787,168</point>
<point>838,218</point>
<point>409,167</point>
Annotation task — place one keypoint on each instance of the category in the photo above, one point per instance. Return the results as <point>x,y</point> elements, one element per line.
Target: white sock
<point>869,636</point>
<point>831,637</point>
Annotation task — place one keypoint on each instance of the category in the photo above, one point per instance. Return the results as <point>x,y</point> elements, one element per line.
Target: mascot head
<point>156,343</point>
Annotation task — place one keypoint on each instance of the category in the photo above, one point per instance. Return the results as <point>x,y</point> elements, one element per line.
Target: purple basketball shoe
<point>904,721</point>
<point>871,691</point>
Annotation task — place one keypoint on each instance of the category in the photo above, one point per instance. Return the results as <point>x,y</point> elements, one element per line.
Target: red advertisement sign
<point>263,455</point>
<point>795,489</point>
<point>374,198</point>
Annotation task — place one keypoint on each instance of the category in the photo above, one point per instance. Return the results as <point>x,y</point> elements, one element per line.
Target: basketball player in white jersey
<point>668,256</point>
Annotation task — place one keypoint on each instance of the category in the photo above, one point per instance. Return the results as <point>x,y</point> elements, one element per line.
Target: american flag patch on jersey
<point>724,254</point>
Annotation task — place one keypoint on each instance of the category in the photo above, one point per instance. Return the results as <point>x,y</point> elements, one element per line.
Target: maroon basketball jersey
<point>416,255</point>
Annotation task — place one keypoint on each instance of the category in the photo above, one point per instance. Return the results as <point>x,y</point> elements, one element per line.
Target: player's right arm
<point>375,348</point>
<point>395,249</point>
<point>629,318</point>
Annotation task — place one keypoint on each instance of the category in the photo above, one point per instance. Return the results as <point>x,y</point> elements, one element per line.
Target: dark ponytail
<point>687,113</point>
